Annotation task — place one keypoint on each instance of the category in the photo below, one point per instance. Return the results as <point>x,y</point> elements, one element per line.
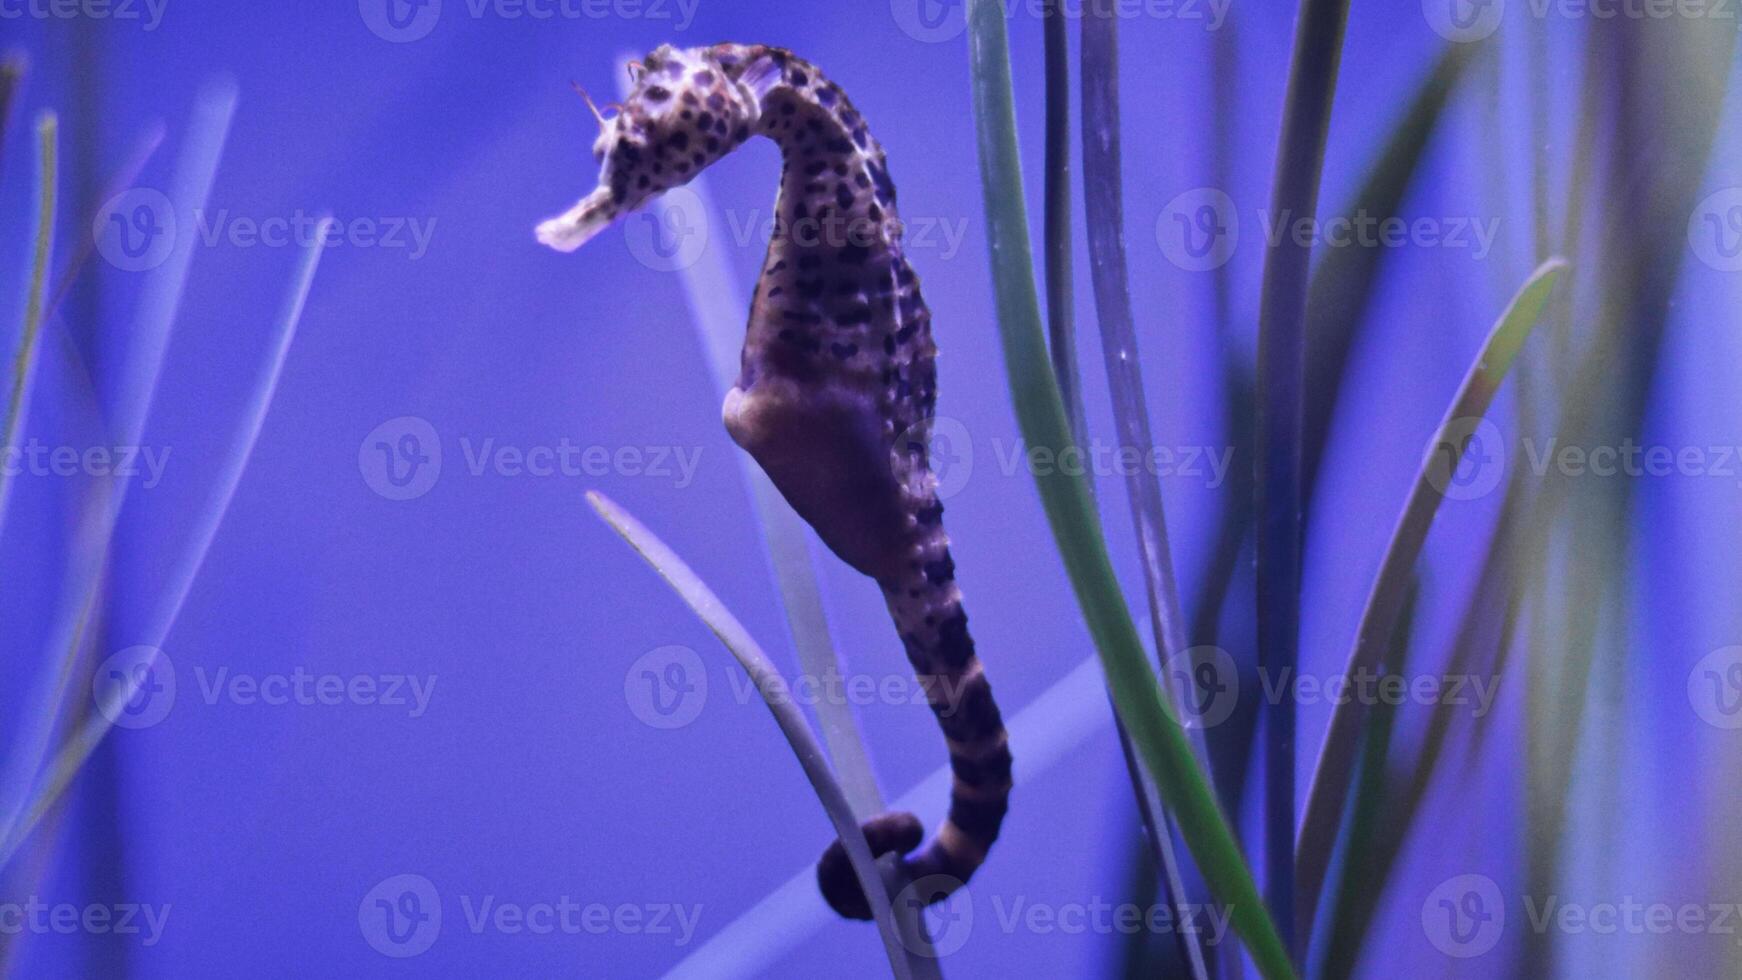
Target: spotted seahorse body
<point>836,389</point>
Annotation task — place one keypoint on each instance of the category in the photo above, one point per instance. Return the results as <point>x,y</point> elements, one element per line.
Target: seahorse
<point>836,390</point>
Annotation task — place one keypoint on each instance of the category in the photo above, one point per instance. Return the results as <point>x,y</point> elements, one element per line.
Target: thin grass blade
<point>196,169</point>
<point>124,178</point>
<point>1062,341</point>
<point>1338,754</point>
<point>1103,195</point>
<point>24,361</point>
<point>718,307</point>
<point>1345,279</point>
<point>12,68</point>
<point>1363,825</point>
<point>775,693</point>
<point>1105,217</point>
<point>1052,729</point>
<point>1160,739</point>
<point>1061,312</point>
<point>185,569</point>
<point>1665,91</point>
<point>1061,336</point>
<point>1488,624</point>
<point>1300,160</point>
<point>1342,282</point>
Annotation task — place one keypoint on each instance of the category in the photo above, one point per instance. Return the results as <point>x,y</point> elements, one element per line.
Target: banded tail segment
<point>927,609</point>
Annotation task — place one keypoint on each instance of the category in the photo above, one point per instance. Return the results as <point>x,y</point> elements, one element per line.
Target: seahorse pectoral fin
<point>828,458</point>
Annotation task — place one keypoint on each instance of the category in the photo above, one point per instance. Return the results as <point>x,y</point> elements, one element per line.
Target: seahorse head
<point>689,107</point>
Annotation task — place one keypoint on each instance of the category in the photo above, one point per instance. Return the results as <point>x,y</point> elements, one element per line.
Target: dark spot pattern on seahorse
<point>880,177</point>
<point>940,571</point>
<point>955,649</point>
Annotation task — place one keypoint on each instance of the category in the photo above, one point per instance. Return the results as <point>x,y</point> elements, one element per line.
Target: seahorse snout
<point>576,226</point>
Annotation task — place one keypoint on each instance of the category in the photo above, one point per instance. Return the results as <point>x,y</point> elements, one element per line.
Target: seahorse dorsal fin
<point>761,75</point>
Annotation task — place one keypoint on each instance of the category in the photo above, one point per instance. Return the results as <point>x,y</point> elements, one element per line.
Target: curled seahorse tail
<point>935,630</point>
<point>898,832</point>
